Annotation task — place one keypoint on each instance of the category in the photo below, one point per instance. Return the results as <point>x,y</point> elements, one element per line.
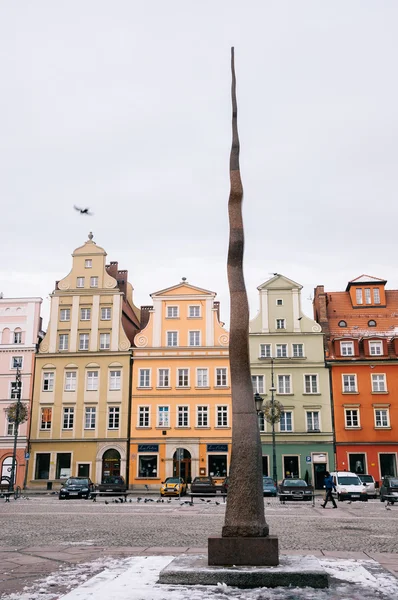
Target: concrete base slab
<point>243,551</point>
<point>299,571</point>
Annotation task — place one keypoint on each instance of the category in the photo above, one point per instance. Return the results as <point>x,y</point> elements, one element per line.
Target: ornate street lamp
<point>272,412</point>
<point>16,413</point>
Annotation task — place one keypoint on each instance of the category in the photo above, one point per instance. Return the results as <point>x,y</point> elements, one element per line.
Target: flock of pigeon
<point>157,501</point>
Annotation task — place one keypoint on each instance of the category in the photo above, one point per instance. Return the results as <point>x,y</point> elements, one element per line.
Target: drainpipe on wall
<point>129,412</point>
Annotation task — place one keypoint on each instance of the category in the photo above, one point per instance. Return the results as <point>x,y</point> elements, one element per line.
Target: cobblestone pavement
<point>41,534</point>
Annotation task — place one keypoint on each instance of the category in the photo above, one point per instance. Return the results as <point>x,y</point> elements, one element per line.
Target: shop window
<point>62,470</point>
<point>217,465</point>
<point>148,466</point>
<point>42,466</point>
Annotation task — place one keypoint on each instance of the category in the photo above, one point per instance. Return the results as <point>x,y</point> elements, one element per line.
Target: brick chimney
<point>320,310</point>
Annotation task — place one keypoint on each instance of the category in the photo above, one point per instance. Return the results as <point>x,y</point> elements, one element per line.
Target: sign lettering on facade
<point>148,447</point>
<point>217,447</point>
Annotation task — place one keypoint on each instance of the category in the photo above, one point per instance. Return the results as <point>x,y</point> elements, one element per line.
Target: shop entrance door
<point>388,465</point>
<point>290,466</point>
<point>110,463</point>
<point>319,475</point>
<point>265,466</point>
<point>182,465</point>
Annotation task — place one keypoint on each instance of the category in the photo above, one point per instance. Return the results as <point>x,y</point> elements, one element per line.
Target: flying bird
<point>83,211</point>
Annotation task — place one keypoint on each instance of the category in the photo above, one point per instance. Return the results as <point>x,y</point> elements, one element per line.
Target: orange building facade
<point>181,419</point>
<point>361,348</point>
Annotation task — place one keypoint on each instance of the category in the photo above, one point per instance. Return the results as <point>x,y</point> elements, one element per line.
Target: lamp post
<point>272,411</point>
<point>16,419</point>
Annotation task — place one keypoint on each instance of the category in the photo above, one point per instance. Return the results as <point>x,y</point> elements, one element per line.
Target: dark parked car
<point>389,489</point>
<point>203,485</point>
<point>113,484</point>
<point>269,487</point>
<point>76,487</point>
<point>295,489</point>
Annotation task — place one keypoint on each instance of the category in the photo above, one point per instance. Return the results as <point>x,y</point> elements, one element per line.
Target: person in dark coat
<point>329,485</point>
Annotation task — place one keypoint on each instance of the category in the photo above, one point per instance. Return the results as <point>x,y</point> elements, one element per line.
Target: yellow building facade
<point>181,417</point>
<point>80,411</point>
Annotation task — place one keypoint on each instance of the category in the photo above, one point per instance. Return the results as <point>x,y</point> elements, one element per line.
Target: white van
<point>349,486</point>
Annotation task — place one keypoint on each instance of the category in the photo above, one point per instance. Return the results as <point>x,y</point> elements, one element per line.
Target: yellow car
<point>173,486</point>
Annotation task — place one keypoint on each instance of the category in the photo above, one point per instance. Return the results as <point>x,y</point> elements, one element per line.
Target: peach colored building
<point>181,395</point>
<point>20,326</point>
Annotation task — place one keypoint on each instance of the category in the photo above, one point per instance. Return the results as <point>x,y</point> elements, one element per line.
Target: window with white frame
<point>376,295</point>
<point>194,312</point>
<point>85,314</point>
<point>115,378</point>
<point>183,416</point>
<point>105,341</point>
<point>310,384</point>
<point>279,302</point>
<point>379,382</point>
<point>281,323</point>
<point>222,416</point>
<point>164,378</point>
<point>349,383</point>
<point>368,297</point>
<point>17,362</point>
<point>182,377</point>
<point>202,416</point>
<point>94,282</point>
<point>221,377</point>
<point>298,350</point>
<point>68,418</point>
<point>70,381</point>
<point>347,348</point>
<point>90,417</point>
<point>14,387</point>
<point>48,381</point>
<point>163,416</point>
<point>286,421</point>
<point>83,341</point>
<point>46,418</point>
<point>194,338</point>
<point>92,381</point>
<point>172,312</point>
<point>202,377</point>
<point>258,384</point>
<point>375,348</point>
<point>113,417</point>
<point>80,282</point>
<point>313,420</point>
<point>17,337</point>
<point>358,293</point>
<point>281,350</point>
<point>143,416</point>
<point>172,338</point>
<point>351,417</point>
<point>10,427</point>
<point>382,417</point>
<point>64,314</point>
<point>63,341</point>
<point>145,378</point>
<point>88,263</point>
<point>284,385</point>
<point>106,313</point>
<point>265,350</point>
<point>261,422</point>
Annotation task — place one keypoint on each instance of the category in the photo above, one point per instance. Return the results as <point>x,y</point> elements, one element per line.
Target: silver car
<point>370,483</point>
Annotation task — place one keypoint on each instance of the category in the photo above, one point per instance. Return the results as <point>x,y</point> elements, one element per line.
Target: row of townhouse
<point>145,393</point>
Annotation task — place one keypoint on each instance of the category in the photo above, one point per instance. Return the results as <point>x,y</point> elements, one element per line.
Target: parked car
<point>370,483</point>
<point>348,486</point>
<point>389,489</point>
<point>113,484</point>
<point>76,487</point>
<point>173,486</point>
<point>203,485</point>
<point>269,487</point>
<point>295,489</point>
<point>225,486</point>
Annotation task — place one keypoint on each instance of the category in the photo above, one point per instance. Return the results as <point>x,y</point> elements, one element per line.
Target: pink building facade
<point>20,333</point>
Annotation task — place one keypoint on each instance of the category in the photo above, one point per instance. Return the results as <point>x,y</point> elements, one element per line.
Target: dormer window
<point>372,323</point>
<point>376,295</point>
<point>347,348</point>
<point>368,296</point>
<point>359,295</point>
<point>375,348</point>
<point>342,324</point>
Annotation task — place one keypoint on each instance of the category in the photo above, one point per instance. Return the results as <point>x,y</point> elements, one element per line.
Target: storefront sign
<point>217,447</point>
<point>148,447</point>
<point>320,458</point>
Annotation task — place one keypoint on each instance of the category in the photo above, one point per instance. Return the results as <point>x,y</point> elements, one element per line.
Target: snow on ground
<point>136,579</point>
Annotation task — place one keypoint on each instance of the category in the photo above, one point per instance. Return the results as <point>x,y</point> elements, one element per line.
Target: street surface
<point>45,520</point>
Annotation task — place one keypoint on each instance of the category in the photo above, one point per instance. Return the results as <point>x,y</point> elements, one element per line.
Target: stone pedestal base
<point>248,551</point>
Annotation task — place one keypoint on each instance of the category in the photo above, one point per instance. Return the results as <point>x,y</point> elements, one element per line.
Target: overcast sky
<point>124,107</point>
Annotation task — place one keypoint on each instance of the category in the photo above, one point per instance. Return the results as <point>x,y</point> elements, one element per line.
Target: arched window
<point>372,323</point>
<point>342,324</point>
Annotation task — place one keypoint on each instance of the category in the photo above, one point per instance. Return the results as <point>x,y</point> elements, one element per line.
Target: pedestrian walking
<point>329,485</point>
